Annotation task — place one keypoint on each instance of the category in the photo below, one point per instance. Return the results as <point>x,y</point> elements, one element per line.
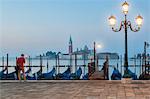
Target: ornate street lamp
<point>125,24</point>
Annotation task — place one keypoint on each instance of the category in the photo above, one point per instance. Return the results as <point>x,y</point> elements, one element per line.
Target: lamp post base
<point>126,80</point>
<point>129,74</point>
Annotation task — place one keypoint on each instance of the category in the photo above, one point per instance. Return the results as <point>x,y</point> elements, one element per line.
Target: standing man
<point>20,66</point>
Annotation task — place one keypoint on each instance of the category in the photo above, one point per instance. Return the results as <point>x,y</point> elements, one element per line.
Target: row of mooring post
<point>58,63</point>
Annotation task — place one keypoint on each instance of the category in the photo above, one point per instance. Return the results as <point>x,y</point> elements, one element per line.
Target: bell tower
<point>70,45</point>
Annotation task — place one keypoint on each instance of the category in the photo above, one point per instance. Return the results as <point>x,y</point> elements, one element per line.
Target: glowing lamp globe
<point>125,7</point>
<point>139,20</point>
<point>112,20</point>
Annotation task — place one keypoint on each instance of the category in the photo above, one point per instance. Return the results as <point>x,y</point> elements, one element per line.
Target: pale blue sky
<point>36,26</point>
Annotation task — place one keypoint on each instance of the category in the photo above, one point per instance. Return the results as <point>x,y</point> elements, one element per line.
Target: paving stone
<point>75,90</point>
<point>111,97</point>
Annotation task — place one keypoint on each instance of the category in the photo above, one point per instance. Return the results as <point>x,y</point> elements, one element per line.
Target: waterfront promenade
<point>75,89</point>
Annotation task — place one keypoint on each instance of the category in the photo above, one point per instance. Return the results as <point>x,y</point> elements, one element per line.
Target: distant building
<point>85,52</point>
<point>50,54</point>
<point>110,55</point>
<point>139,56</point>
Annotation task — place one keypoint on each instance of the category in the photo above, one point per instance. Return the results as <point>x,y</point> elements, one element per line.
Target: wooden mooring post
<point>56,63</point>
<point>121,63</point>
<point>75,62</point>
<point>29,62</point>
<point>7,66</point>
<point>47,65</point>
<point>41,63</point>
<point>3,63</point>
<point>135,64</point>
<point>84,63</point>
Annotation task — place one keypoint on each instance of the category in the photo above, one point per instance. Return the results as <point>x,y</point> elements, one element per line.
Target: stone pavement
<point>78,89</point>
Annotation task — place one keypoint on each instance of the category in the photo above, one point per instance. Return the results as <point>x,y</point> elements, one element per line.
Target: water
<point>52,63</point>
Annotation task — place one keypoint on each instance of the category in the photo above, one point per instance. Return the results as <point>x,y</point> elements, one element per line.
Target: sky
<point>33,27</point>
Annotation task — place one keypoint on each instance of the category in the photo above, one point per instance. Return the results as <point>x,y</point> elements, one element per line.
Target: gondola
<point>34,76</point>
<point>76,75</point>
<point>144,76</point>
<point>65,75</point>
<point>49,76</point>
<point>10,76</point>
<point>85,77</point>
<point>28,71</point>
<point>2,73</point>
<point>116,75</point>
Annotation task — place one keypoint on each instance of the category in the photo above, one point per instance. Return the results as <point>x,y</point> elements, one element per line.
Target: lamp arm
<point>117,30</point>
<point>133,29</point>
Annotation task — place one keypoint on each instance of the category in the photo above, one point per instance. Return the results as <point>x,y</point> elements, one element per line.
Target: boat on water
<point>86,77</point>
<point>65,75</point>
<point>146,72</point>
<point>2,73</point>
<point>10,76</point>
<point>49,76</point>
<point>34,76</point>
<point>116,75</point>
<point>28,71</point>
<point>76,75</point>
<point>41,76</point>
<point>144,76</point>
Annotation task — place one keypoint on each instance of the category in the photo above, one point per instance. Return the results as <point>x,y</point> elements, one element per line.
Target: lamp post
<point>125,24</point>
